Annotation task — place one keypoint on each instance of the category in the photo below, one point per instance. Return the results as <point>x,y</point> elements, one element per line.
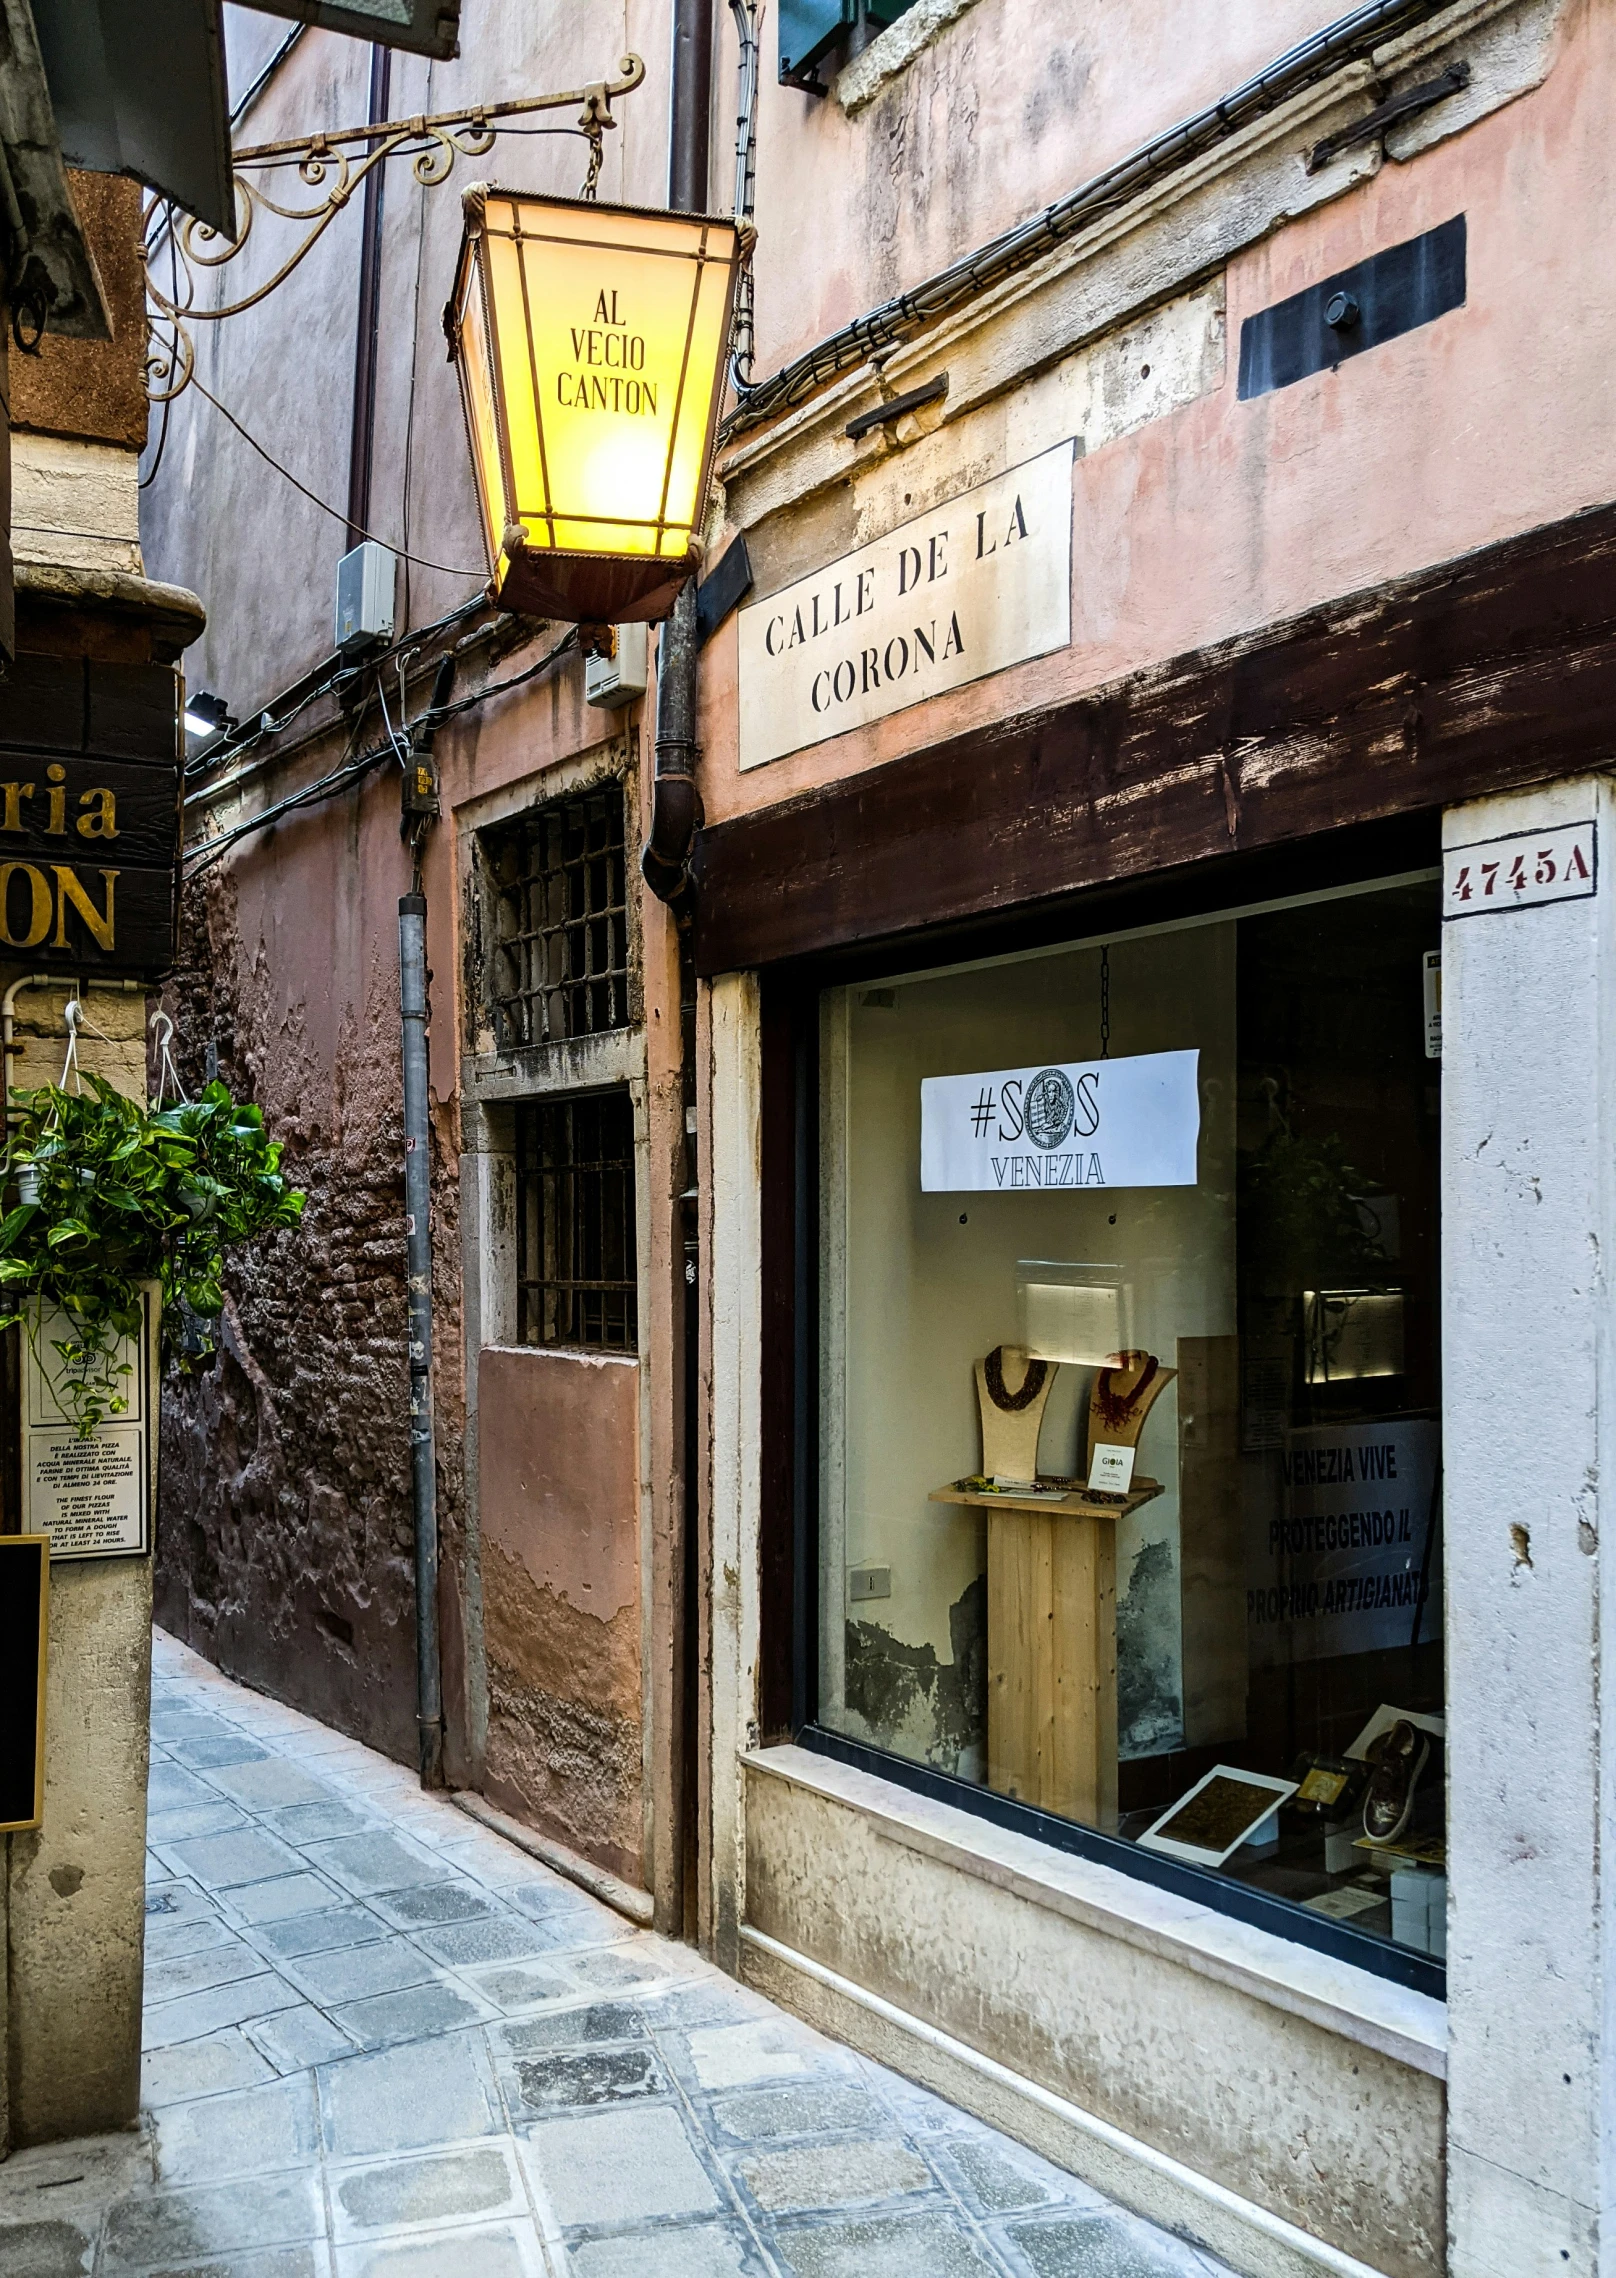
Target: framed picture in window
<point>1224,1809</point>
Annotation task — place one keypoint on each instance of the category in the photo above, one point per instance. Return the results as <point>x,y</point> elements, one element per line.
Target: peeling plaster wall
<point>285,1546</point>
<point>561,1595</point>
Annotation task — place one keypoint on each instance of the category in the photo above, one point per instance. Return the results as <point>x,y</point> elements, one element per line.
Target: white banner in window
<point>1083,1123</point>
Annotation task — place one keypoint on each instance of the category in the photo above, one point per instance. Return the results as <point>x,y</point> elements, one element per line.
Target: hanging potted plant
<point>111,1194</point>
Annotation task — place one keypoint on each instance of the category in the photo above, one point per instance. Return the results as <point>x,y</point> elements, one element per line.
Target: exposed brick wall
<point>285,1528</point>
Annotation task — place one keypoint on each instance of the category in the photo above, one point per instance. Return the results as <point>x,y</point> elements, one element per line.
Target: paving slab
<point>207,2067</point>
<point>620,2167</point>
<point>283,1895</point>
<point>448,2187</point>
<point>455,1899</point>
<point>295,2040</point>
<point>1103,2246</point>
<point>252,2132</point>
<point>586,2077</point>
<point>886,2246</point>
<point>172,2228</point>
<point>373,1862</point>
<point>434,2092</point>
<point>697,2250</point>
<point>504,2250</point>
<point>46,2249</point>
<point>267,1781</point>
<point>419,2013</point>
<point>219,1962</point>
<point>221,1862</point>
<point>320,1929</point>
<point>835,2175</point>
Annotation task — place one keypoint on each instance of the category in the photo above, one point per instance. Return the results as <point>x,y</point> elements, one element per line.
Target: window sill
<point>580,1063</point>
<point>860,81</point>
<point>1408,2027</point>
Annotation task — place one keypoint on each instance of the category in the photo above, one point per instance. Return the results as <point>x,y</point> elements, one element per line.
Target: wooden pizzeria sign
<point>91,777</point>
<point>24,1624</point>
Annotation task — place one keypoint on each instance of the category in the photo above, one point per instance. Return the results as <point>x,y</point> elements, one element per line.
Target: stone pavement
<point>382,2043</point>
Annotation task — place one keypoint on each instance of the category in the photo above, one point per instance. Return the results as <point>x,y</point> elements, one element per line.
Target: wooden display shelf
<point>1052,1645</point>
<point>1078,1504</point>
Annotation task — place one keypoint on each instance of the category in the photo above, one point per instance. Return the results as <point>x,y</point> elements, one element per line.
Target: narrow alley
<point>381,2042</point>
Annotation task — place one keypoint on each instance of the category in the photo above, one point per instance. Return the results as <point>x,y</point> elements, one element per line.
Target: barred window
<point>575,1244</point>
<point>559,906</point>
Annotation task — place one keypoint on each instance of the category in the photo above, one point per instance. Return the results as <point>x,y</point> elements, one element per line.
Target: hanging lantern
<point>592,342</point>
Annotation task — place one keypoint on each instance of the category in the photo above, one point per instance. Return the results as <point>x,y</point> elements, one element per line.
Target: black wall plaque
<point>90,786</point>
<point>1389,294</point>
<point>24,1601</point>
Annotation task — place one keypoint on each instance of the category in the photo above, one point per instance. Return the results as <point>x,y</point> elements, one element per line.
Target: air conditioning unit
<point>365,585</point>
<point>617,678</point>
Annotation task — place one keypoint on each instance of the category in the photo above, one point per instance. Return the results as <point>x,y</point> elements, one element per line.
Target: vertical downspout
<point>418,1239</point>
<point>367,338</point>
<point>664,863</point>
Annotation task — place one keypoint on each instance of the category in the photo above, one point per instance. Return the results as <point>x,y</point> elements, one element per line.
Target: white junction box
<point>615,680</point>
<point>365,587</point>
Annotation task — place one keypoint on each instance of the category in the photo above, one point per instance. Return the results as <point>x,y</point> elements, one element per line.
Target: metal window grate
<point>575,1243</point>
<point>560,920</point>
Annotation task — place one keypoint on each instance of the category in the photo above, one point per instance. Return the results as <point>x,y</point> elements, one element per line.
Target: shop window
<point>575,1245</point>
<point>818,36</point>
<point>558,955</point>
<point>1129,1462</point>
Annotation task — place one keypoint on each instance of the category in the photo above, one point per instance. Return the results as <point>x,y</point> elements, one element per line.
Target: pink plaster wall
<point>1224,516</point>
<point>559,1447</point>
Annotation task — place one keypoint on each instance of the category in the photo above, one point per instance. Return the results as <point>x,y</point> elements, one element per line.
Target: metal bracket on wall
<point>1390,113</point>
<point>336,164</point>
<point>1377,300</point>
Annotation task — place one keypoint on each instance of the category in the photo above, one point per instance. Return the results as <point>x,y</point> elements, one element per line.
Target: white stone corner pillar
<point>1528,1129</point>
<point>735,1286</point>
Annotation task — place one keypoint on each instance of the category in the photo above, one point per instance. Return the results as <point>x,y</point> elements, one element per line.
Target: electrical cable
<point>336,513</point>
<point>209,761</point>
<point>349,770</point>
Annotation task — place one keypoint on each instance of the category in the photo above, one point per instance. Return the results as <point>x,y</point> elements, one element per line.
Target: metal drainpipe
<point>418,1241</point>
<point>665,865</point>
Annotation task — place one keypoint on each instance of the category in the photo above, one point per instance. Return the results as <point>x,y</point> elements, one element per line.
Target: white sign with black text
<point>1560,864</point>
<point>1133,1122</point>
<point>91,1493</point>
<point>973,586</point>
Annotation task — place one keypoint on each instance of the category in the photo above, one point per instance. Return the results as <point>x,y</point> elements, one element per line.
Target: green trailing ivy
<point>111,1193</point>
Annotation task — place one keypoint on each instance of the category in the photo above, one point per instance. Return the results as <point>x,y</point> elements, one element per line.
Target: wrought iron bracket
<point>335,163</point>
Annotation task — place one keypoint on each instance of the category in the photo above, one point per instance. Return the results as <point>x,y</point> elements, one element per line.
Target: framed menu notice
<point>91,1495</point>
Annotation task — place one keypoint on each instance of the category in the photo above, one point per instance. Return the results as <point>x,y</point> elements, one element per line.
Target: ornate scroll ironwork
<point>334,165</point>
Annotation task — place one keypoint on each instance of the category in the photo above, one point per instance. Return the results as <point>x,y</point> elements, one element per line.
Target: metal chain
<point>597,151</point>
<point>1105,1002</point>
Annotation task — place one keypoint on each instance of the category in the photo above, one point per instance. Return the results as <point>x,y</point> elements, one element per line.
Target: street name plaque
<point>979,583</point>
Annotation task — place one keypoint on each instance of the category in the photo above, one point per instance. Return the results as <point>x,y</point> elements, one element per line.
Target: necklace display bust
<point>1123,1397</point>
<point>1012,1391</point>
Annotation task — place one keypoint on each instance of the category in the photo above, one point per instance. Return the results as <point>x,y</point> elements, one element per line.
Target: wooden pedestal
<point>1052,1647</point>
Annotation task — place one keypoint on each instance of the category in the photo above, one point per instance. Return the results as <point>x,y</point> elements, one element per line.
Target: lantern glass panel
<point>608,333</point>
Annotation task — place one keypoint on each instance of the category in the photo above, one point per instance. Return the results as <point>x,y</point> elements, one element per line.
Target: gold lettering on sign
<point>39,906</point>
<point>70,889</point>
<point>56,827</point>
<point>15,793</point>
<point>102,821</point>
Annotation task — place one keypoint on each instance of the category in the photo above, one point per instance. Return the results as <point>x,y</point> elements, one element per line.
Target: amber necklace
<point>1117,1408</point>
<point>1031,1384</point>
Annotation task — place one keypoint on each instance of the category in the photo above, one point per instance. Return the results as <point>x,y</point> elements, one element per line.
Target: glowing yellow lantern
<point>591,342</point>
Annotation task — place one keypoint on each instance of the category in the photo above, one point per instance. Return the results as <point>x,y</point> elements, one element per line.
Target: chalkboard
<point>24,1593</point>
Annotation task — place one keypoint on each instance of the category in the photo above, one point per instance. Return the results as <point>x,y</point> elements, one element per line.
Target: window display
<point>1129,1382</point>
